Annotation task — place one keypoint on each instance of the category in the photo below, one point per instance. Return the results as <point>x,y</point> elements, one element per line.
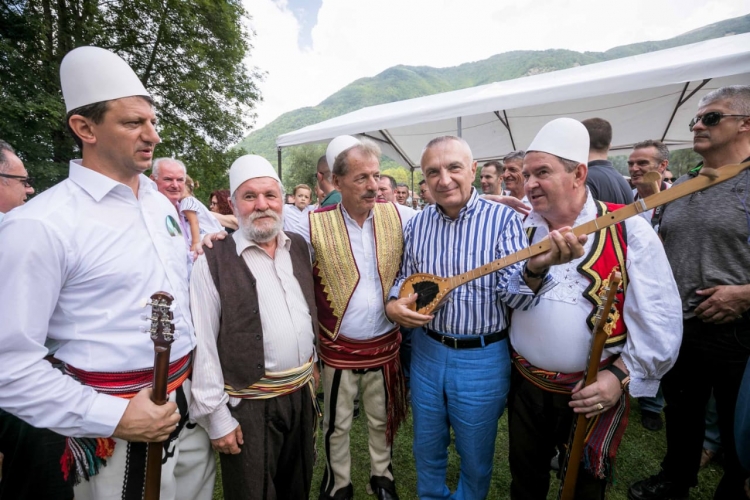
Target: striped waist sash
<point>603,432</point>
<point>275,384</point>
<point>128,384</point>
<point>83,457</point>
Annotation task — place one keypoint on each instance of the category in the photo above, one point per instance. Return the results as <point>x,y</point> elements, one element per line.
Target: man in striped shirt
<point>460,362</point>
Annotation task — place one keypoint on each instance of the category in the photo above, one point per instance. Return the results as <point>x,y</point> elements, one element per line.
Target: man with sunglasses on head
<point>15,184</point>
<point>707,240</point>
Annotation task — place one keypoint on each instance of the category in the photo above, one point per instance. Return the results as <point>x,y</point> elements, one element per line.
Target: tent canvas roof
<point>647,96</point>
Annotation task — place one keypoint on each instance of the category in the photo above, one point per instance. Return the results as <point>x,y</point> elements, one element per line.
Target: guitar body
<point>432,290</point>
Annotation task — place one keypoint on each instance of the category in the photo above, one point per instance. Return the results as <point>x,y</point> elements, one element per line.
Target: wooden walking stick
<point>604,315</point>
<point>162,333</point>
<point>433,290</point>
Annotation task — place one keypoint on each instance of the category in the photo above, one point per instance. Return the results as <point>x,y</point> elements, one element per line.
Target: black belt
<point>468,343</point>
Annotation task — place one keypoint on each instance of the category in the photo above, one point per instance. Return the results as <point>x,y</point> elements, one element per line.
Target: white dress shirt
<point>295,220</point>
<point>288,336</point>
<point>76,262</point>
<point>554,334</point>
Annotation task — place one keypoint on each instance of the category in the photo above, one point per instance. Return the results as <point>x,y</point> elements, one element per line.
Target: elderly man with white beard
<point>254,379</point>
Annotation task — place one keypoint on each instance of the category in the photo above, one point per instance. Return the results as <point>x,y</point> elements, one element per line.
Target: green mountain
<point>405,82</point>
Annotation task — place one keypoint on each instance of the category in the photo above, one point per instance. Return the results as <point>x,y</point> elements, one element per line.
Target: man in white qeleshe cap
<point>83,256</point>
<point>552,341</point>
<point>254,381</point>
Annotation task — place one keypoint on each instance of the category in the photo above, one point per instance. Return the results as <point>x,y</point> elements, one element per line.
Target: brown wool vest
<point>240,342</point>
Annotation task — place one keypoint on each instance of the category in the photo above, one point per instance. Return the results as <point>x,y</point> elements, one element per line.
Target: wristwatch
<point>623,377</point>
<point>532,275</point>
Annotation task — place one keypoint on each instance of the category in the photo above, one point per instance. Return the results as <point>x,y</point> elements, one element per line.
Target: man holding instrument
<point>460,364</point>
<point>83,255</point>
<point>706,237</point>
<point>551,342</point>
<point>255,377</point>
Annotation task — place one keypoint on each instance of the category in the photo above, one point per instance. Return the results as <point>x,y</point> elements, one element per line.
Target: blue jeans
<point>653,404</point>
<point>461,388</point>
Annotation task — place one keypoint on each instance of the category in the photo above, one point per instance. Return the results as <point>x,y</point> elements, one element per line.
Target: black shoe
<point>657,487</point>
<point>383,488</point>
<point>651,420</point>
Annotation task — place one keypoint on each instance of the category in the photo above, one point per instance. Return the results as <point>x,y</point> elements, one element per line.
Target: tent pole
<point>682,101</point>
<point>506,123</point>
<point>278,159</point>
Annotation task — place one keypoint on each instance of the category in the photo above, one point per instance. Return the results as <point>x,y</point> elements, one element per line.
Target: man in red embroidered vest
<point>83,255</point>
<point>551,342</point>
<point>254,381</point>
<point>358,245</point>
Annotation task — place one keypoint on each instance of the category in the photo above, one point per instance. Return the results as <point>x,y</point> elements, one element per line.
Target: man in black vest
<point>255,374</point>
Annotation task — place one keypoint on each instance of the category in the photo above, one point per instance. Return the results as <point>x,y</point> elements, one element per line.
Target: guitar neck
<point>698,183</point>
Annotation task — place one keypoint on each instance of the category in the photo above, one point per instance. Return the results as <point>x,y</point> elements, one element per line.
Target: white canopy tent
<point>648,96</point>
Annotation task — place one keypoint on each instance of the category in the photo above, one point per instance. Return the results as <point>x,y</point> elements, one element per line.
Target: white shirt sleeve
<point>652,310</point>
<point>209,405</point>
<point>30,388</point>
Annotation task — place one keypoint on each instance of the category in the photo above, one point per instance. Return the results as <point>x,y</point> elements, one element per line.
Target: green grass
<point>639,456</point>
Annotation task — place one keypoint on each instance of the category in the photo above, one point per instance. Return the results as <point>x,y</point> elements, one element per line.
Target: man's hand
<point>564,247</point>
<point>605,391</point>
<point>211,237</point>
<point>398,311</point>
<point>725,303</point>
<point>229,444</point>
<point>316,376</point>
<point>144,421</point>
<point>509,201</point>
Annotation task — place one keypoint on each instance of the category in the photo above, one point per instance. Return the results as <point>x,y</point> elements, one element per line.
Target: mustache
<point>265,213</point>
<point>370,194</point>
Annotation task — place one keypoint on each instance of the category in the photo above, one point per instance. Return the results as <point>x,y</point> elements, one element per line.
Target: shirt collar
<point>349,217</point>
<point>588,212</point>
<point>466,209</point>
<point>99,185</point>
<point>242,243</point>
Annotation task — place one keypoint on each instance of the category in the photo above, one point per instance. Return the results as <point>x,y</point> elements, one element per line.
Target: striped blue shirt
<point>483,231</point>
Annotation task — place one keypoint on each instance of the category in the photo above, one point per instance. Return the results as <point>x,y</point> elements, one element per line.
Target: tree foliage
<point>188,53</point>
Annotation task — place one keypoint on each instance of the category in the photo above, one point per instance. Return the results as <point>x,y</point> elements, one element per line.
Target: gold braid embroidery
<point>389,243</point>
<point>334,258</point>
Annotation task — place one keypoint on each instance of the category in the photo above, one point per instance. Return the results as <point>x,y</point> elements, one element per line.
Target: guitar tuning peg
<point>609,320</point>
<point>172,307</point>
<point>613,310</point>
<point>144,302</point>
<point>617,301</point>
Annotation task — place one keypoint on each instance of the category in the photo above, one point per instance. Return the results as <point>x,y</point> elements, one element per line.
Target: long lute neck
<point>643,205</point>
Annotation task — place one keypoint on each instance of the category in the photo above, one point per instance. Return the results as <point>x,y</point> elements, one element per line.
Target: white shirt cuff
<point>104,414</point>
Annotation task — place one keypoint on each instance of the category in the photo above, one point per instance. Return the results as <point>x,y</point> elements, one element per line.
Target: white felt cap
<point>563,137</point>
<point>91,74</point>
<point>249,167</point>
<point>337,145</point>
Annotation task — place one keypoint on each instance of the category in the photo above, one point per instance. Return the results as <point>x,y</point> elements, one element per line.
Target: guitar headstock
<point>162,330</point>
<point>607,314</point>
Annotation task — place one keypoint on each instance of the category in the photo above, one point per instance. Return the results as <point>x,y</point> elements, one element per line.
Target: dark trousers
<point>711,357</point>
<point>538,421</point>
<point>276,461</point>
<point>31,466</point>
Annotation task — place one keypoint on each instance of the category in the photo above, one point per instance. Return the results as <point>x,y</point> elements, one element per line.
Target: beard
<point>264,233</point>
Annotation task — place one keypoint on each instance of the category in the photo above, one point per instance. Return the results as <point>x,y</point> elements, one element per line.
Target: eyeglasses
<point>25,180</point>
<point>710,119</point>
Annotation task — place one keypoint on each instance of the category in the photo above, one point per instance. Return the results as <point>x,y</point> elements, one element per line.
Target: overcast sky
<point>309,49</point>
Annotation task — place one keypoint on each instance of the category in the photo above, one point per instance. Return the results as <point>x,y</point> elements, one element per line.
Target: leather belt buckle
<point>454,339</point>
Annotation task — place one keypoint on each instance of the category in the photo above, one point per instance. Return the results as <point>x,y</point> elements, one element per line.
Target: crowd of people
<point>274,296</point>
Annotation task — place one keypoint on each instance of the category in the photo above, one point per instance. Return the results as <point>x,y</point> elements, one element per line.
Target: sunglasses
<point>26,181</point>
<point>710,119</point>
